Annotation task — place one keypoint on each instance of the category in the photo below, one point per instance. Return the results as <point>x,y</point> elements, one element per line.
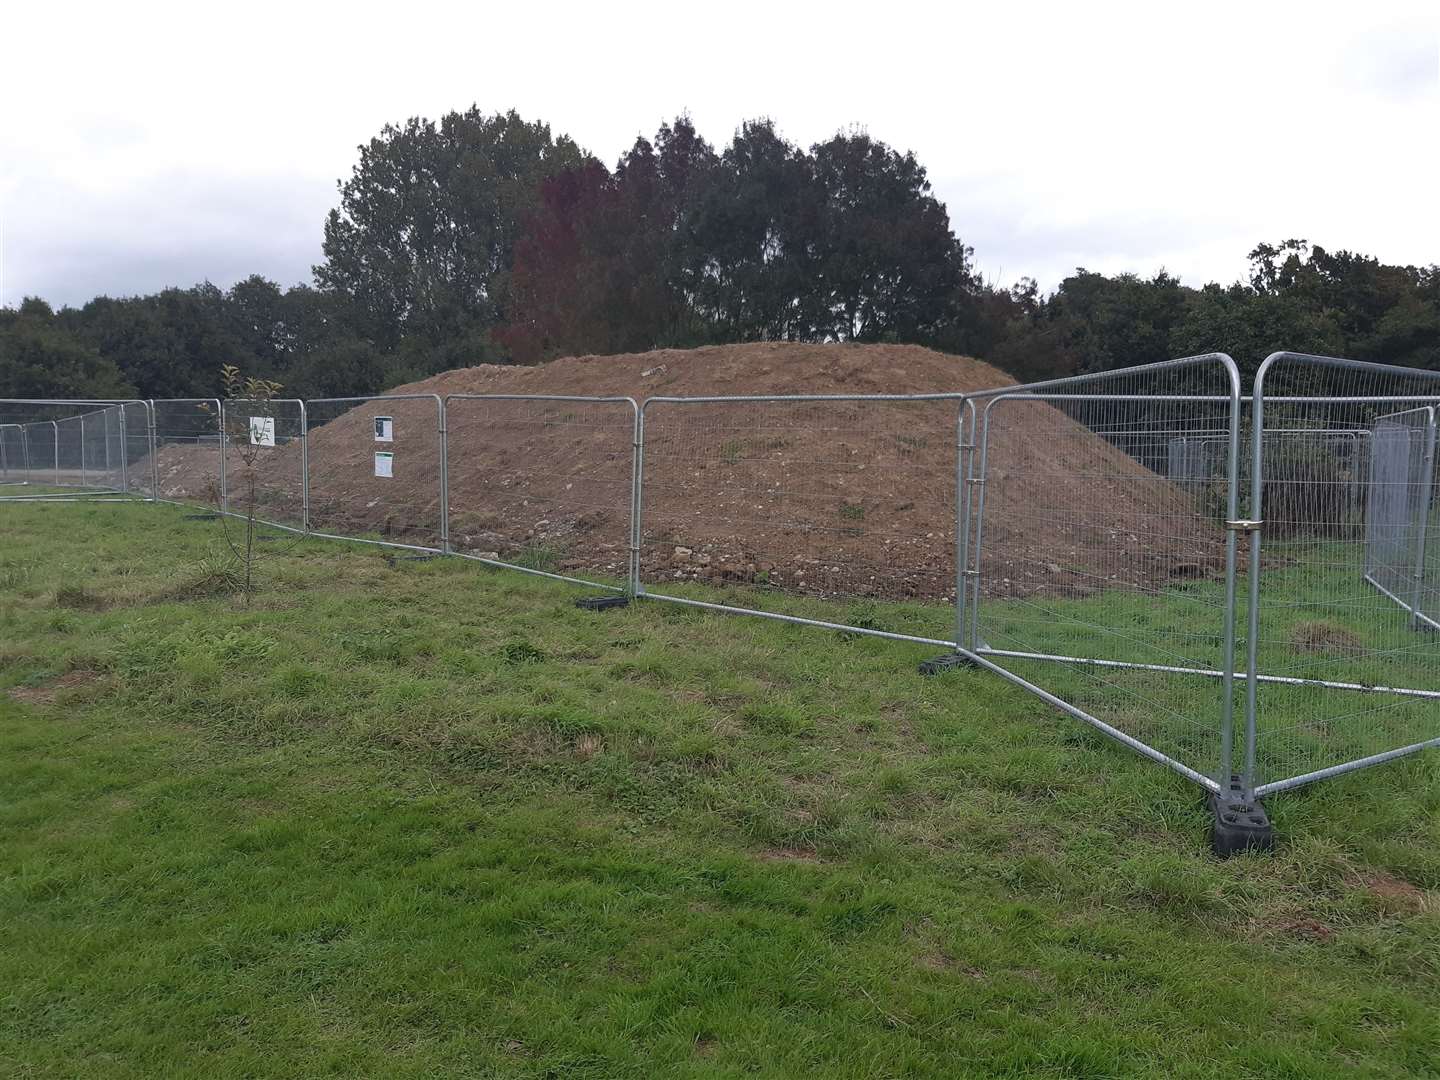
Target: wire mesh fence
<point>831,498</point>
<point>184,462</point>
<point>262,460</point>
<point>1346,667</point>
<point>1099,578</point>
<point>376,469</point>
<point>82,447</point>
<point>1082,537</point>
<point>15,465</point>
<point>1398,508</point>
<point>543,484</point>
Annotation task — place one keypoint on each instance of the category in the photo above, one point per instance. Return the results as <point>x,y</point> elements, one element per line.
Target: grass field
<point>431,820</point>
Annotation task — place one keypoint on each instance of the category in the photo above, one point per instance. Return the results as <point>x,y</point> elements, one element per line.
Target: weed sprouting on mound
<point>1323,636</point>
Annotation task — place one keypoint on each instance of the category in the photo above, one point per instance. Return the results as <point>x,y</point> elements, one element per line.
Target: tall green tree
<point>422,241</point>
<point>886,258</point>
<point>40,358</point>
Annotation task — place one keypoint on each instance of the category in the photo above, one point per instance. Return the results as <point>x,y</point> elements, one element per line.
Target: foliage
<point>39,359</point>
<point>681,247</point>
<point>421,242</point>
<point>485,238</point>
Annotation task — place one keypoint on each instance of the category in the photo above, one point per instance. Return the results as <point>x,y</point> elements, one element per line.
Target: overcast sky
<point>146,144</point>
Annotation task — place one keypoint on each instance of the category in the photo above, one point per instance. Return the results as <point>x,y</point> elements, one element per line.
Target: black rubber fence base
<point>1240,824</point>
<point>602,603</point>
<point>202,517</point>
<point>949,662</point>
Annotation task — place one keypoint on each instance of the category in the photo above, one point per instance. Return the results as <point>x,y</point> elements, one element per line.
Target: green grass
<point>431,820</point>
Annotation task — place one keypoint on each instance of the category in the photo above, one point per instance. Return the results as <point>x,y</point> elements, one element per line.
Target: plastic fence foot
<point>1241,823</point>
<point>602,603</point>
<point>940,664</point>
<point>202,517</point>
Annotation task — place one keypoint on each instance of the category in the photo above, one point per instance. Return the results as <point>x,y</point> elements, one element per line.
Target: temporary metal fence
<point>1245,589</point>
<point>1343,671</point>
<point>544,484</point>
<point>186,453</point>
<point>376,469</point>
<point>822,496</point>
<point>262,460</point>
<point>1095,580</point>
<point>1397,513</point>
<point>83,448</point>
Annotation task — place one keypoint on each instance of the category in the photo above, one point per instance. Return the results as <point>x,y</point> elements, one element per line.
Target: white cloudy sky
<point>149,144</point>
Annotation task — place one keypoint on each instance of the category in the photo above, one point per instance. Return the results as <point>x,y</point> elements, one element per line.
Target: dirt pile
<point>824,497</point>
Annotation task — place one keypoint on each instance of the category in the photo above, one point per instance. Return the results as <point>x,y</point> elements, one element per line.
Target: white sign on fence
<point>262,431</point>
<point>384,429</point>
<point>384,463</point>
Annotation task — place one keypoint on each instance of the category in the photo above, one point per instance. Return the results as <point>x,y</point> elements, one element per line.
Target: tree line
<point>486,239</point>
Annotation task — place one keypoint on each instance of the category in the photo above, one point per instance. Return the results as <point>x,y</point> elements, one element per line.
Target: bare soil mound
<point>824,497</point>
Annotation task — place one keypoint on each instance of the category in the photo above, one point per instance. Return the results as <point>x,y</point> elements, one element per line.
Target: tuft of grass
<point>212,576</point>
<point>1325,637</point>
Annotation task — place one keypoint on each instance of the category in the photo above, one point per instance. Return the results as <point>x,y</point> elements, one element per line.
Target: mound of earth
<point>825,497</point>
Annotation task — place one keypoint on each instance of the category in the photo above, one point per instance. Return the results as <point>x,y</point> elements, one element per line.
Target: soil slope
<point>839,497</point>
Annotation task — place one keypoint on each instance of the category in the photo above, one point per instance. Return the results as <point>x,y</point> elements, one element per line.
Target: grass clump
<point>1325,637</point>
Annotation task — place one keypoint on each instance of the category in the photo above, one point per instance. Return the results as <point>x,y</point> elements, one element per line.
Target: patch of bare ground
<point>791,855</point>
<point>48,693</point>
<point>1396,892</point>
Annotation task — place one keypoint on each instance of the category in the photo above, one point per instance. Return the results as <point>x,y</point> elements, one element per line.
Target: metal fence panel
<point>1340,674</point>
<point>1398,505</point>
<point>184,464</point>
<point>1099,579</point>
<point>80,446</point>
<point>14,454</point>
<point>376,469</point>
<point>544,484</point>
<point>263,460</point>
<point>840,510</point>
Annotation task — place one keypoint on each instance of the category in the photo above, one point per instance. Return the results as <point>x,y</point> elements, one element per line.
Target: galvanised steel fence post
<point>976,483</point>
<point>1427,486</point>
<point>304,467</point>
<point>224,469</point>
<point>124,450</point>
<point>637,500</point>
<point>1232,529</point>
<point>154,454</point>
<point>443,430</point>
<point>637,449</point>
<point>964,467</point>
